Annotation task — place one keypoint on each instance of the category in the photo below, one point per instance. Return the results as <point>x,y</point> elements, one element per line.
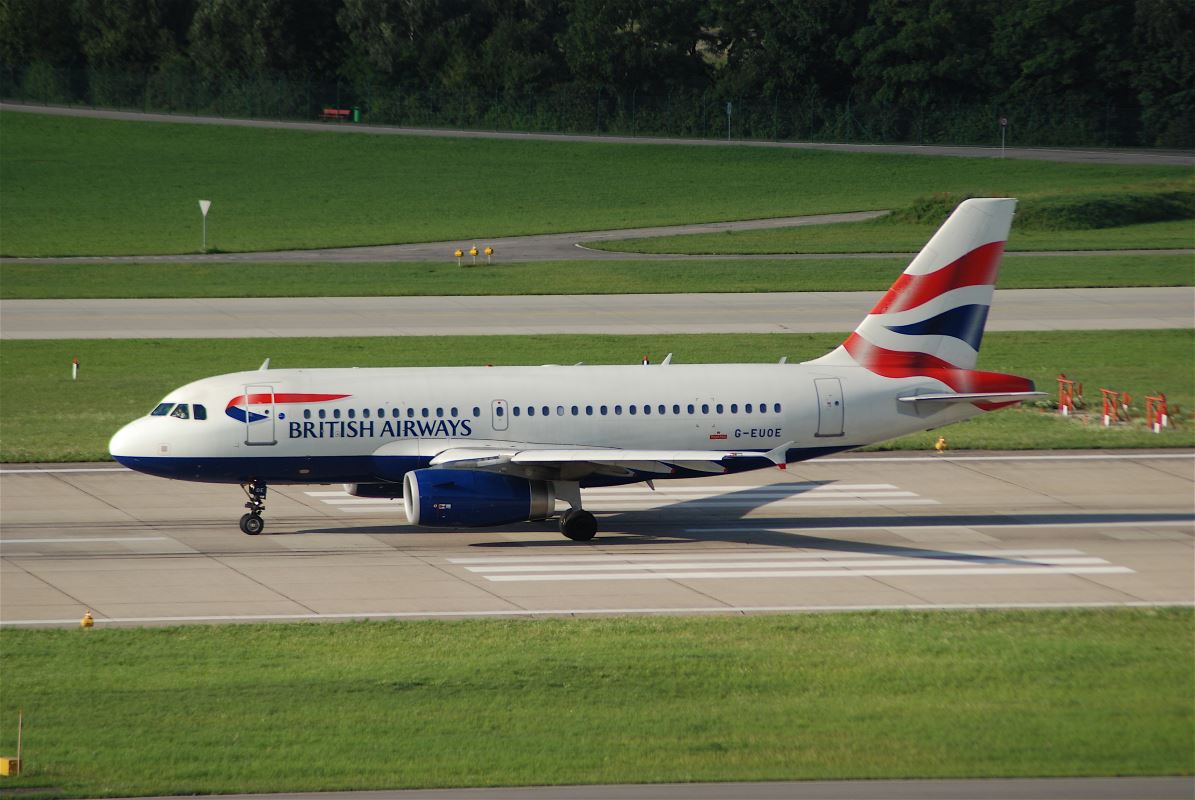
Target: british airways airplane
<point>478,446</point>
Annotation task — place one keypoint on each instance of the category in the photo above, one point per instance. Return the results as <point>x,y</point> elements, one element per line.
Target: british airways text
<point>393,429</point>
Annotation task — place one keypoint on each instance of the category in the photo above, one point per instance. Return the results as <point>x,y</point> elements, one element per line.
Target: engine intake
<point>474,498</point>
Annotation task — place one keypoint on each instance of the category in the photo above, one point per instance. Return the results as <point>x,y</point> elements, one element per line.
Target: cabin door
<point>829,406</point>
<point>258,403</point>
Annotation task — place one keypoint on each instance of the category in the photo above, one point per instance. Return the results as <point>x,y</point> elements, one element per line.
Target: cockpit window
<point>200,411</point>
<point>181,411</point>
<point>162,410</point>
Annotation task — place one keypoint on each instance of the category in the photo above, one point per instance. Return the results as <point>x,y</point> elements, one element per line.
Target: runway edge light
<point>11,767</point>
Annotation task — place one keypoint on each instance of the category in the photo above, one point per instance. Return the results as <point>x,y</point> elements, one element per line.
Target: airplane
<point>483,446</point>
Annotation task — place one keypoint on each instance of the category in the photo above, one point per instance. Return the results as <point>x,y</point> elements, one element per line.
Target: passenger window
<point>423,412</point>
<point>307,413</point>
<point>452,412</point>
<point>365,413</point>
<point>646,408</point>
<point>560,411</point>
<point>776,407</point>
<point>516,410</point>
<point>200,412</point>
<point>718,408</point>
<point>546,411</point>
<point>734,408</point>
<point>352,413</point>
<point>661,408</point>
<point>162,410</point>
<point>531,411</point>
<point>675,408</point>
<point>181,411</point>
<point>618,410</point>
<point>589,411</point>
<point>336,413</point>
<point>382,413</point>
<point>763,408</point>
<point>747,408</point>
<point>576,411</point>
<point>410,413</point>
<point>499,411</point>
<point>476,411</point>
<point>322,413</point>
<point>691,408</point>
<point>705,408</point>
<point>603,410</point>
<point>632,409</point>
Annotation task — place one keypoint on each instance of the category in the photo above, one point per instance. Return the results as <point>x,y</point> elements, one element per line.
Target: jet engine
<point>474,498</point>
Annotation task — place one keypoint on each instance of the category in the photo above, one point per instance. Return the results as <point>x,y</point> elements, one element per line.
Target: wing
<point>576,463</point>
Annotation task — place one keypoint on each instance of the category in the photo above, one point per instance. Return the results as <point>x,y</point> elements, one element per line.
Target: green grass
<point>86,186</point>
<point>29,281</point>
<point>883,236</point>
<point>44,416</point>
<point>298,708</point>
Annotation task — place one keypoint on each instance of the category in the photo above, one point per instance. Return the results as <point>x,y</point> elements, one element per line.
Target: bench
<point>336,114</point>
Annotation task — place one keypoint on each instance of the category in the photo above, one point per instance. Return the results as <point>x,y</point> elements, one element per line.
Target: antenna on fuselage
<point>667,360</point>
<point>264,365</point>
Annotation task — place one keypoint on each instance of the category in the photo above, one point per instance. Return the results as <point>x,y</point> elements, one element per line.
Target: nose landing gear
<point>252,522</point>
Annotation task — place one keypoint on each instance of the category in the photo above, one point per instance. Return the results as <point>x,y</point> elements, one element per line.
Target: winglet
<point>264,365</point>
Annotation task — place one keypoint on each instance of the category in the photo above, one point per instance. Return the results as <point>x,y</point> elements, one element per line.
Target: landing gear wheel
<point>578,525</point>
<point>252,524</point>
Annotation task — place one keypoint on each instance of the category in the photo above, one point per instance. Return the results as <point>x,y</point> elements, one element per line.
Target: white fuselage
<point>415,412</point>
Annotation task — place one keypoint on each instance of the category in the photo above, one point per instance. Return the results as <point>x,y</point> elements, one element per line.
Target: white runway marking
<point>612,567</point>
<point>85,540</point>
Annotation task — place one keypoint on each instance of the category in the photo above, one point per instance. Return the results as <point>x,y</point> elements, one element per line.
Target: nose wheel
<point>252,523</point>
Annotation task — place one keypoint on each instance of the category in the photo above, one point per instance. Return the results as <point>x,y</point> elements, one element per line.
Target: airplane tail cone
<point>933,316</point>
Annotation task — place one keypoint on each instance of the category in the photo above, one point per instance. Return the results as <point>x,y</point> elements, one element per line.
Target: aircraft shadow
<point>781,532</point>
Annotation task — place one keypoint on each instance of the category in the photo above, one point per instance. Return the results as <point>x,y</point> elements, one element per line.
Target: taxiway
<point>849,532</point>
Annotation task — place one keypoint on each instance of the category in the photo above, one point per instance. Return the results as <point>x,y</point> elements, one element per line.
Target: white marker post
<point>728,110</point>
<point>204,205</point>
<point>75,368</point>
<point>1003,128</point>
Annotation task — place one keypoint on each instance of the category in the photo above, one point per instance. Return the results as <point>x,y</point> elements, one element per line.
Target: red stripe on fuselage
<point>283,397</point>
<point>976,268</point>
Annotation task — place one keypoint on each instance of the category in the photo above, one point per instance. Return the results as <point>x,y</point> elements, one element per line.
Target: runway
<point>867,531</point>
<point>778,312</point>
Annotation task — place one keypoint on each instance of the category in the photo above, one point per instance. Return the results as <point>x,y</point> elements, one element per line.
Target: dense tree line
<point>1062,71</point>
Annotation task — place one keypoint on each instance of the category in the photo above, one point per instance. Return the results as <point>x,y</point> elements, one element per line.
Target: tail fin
<point>933,316</point>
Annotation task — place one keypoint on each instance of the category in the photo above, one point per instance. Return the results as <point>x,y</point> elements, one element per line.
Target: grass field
<point>30,281</point>
<point>44,416</point>
<point>297,708</point>
<point>86,186</point>
<point>883,236</point>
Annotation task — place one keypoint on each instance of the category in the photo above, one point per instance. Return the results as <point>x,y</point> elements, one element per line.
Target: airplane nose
<point>127,444</point>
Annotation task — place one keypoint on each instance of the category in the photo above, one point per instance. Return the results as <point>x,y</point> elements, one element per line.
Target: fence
<point>685,113</point>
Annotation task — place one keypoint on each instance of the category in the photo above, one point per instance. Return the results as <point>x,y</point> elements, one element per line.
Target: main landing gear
<point>578,525</point>
<point>252,522</point>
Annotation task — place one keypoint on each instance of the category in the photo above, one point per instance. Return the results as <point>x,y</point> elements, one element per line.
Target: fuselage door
<point>259,415</point>
<point>501,415</point>
<point>830,407</point>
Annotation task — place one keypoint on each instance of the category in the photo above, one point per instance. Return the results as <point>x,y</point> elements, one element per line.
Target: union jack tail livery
<point>933,316</point>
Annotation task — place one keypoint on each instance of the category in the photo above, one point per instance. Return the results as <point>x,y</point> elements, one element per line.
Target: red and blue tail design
<point>931,322</point>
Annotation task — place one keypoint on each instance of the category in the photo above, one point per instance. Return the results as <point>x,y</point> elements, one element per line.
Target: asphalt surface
<point>851,532</point>
<point>1099,156</point>
<point>777,312</point>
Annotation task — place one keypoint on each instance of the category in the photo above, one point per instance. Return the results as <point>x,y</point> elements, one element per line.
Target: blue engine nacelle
<point>473,498</point>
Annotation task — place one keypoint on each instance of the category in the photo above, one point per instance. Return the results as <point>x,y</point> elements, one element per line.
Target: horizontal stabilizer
<point>971,397</point>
